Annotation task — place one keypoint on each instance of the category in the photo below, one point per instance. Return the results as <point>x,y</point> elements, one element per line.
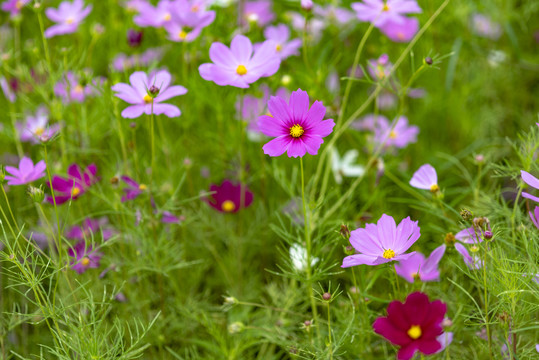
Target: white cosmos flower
<point>298,254</point>
<point>345,166</point>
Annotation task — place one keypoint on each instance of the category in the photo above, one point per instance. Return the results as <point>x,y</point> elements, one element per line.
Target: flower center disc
<point>278,48</point>
<point>70,20</point>
<point>296,131</point>
<point>228,206</point>
<point>75,192</point>
<point>385,8</point>
<point>241,70</point>
<point>85,261</point>
<point>182,35</point>
<point>147,99</point>
<point>434,188</point>
<point>142,187</point>
<point>392,135</point>
<point>39,131</point>
<point>388,254</point>
<point>415,332</point>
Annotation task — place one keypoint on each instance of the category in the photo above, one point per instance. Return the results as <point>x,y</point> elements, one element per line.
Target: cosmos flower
<point>333,14</point>
<point>425,178</point>
<point>8,89</point>
<point>133,188</point>
<point>84,257</point>
<point>134,37</point>
<point>188,20</point>
<point>280,34</point>
<point>238,66</point>
<point>122,62</point>
<point>67,17</point>
<point>535,217</point>
<point>345,166</point>
<point>370,122</point>
<point>297,128</point>
<point>379,68</point>
<point>531,181</point>
<point>483,26</point>
<point>307,4</point>
<point>413,326</point>
<point>75,185</point>
<point>14,7</point>
<point>315,28</point>
<point>417,267</point>
<point>380,12</point>
<point>26,173</point>
<point>258,12</point>
<point>169,218</point>
<point>71,89</point>
<point>89,228</point>
<point>468,236</point>
<point>36,129</point>
<point>401,32</point>
<point>227,197</point>
<point>382,242</point>
<point>400,136</point>
<point>298,255</point>
<point>146,93</point>
<point>158,16</point>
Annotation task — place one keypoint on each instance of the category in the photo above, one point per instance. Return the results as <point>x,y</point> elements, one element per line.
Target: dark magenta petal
<point>383,326</point>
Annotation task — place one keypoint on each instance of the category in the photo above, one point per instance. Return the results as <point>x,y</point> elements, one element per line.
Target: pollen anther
<point>296,131</point>
<point>388,254</point>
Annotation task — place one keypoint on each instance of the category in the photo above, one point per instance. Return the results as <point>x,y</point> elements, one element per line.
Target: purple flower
<point>531,181</point>
<point>307,4</point>
<point>399,137</point>
<point>483,26</point>
<point>315,28</point>
<point>238,66</point>
<point>133,190</point>
<point>14,6</point>
<point>76,183</point>
<point>258,12</point>
<point>169,218</point>
<point>8,89</point>
<point>382,242</point>
<point>280,34</point>
<point>70,88</point>
<point>445,340</point>
<point>134,37</point>
<point>425,178</point>
<point>297,128</point>
<point>88,229</point>
<point>535,216</point>
<point>417,267</point>
<point>380,12</point>
<point>332,13</point>
<point>123,62</point>
<point>188,20</point>
<point>36,129</point>
<point>26,173</point>
<point>67,17</point>
<point>227,197</point>
<point>401,32</point>
<point>85,257</point>
<point>142,101</point>
<point>379,68</point>
<point>370,122</point>
<point>154,16</point>
<point>469,236</point>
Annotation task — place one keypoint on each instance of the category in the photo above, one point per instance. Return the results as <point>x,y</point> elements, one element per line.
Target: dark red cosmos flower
<point>413,325</point>
<point>227,197</point>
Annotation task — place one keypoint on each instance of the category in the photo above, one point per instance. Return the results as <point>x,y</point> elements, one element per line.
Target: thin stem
<point>329,333</point>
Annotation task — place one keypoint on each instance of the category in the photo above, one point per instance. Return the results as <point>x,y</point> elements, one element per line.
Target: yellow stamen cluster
<point>434,188</point>
<point>70,20</point>
<point>296,131</point>
<point>416,276</point>
<point>278,47</point>
<point>167,17</point>
<point>388,254</point>
<point>385,8</point>
<point>39,131</point>
<point>78,89</point>
<point>182,34</point>
<point>75,192</point>
<point>228,206</point>
<point>241,70</point>
<point>85,261</point>
<point>142,187</point>
<point>415,332</point>
<point>147,99</point>
<point>393,134</point>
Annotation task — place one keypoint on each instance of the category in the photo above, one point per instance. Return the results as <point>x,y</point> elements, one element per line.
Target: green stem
<point>329,333</point>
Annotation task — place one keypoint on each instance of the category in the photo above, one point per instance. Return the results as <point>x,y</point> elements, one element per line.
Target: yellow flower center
<point>414,332</point>
<point>18,5</point>
<point>182,34</point>
<point>78,89</point>
<point>85,261</point>
<point>70,20</point>
<point>167,17</point>
<point>388,254</point>
<point>400,36</point>
<point>228,206</point>
<point>416,276</point>
<point>385,8</point>
<point>278,47</point>
<point>296,131</point>
<point>75,192</point>
<point>241,70</point>
<point>434,188</point>
<point>147,99</point>
<point>142,187</point>
<point>195,8</point>
<point>393,134</point>
<point>39,131</point>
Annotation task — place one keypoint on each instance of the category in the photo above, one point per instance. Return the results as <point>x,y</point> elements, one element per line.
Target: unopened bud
<point>326,296</point>
<point>428,60</point>
<point>447,323</point>
<point>307,5</point>
<point>488,234</point>
<point>345,232</point>
<point>134,37</point>
<point>349,250</point>
<point>36,194</point>
<point>466,214</point>
<point>230,300</point>
<point>114,180</point>
<point>153,90</point>
<point>236,327</point>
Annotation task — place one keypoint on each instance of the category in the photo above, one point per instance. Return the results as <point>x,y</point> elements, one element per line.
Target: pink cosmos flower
<point>483,26</point>
<point>227,197</point>
<point>169,218</point>
<point>315,28</point>
<point>258,12</point>
<point>425,178</point>
<point>133,190</point>
<point>9,89</point>
<point>280,34</point>
<point>382,242</point>
<point>401,32</point>
<point>71,89</point>
<point>370,122</point>
<point>14,7</point>
<point>469,236</point>
<point>68,16</point>
<point>85,257</point>
<point>417,267</point>
<point>154,16</point>
<point>379,68</point>
<point>26,173</point>
<point>75,185</point>
<point>380,12</point>
<point>36,128</point>
<point>238,66</point>
<point>307,4</point>
<point>188,20</point>
<point>146,93</point>
<point>88,229</point>
<point>535,217</point>
<point>413,326</point>
<point>333,14</point>
<point>401,135</point>
<point>531,181</point>
<point>122,62</point>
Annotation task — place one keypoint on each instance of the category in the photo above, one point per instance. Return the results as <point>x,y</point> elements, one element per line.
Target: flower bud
<point>236,327</point>
<point>466,214</point>
<point>449,239</point>
<point>36,194</point>
<point>307,5</point>
<point>428,60</point>
<point>488,234</point>
<point>349,250</point>
<point>447,323</point>
<point>114,180</point>
<point>326,296</point>
<point>230,300</point>
<point>345,232</point>
<point>134,37</point>
<point>153,91</point>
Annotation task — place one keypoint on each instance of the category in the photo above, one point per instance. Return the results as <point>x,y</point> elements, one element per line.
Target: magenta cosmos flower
<point>425,178</point>
<point>413,326</point>
<point>297,128</point>
<point>26,173</point>
<point>401,32</point>
<point>535,217</point>
<point>14,7</point>
<point>227,197</point>
<point>67,17</point>
<point>417,267</point>
<point>146,93</point>
<point>36,128</point>
<point>133,188</point>
<point>531,181</point>
<point>72,187</point>
<point>380,12</point>
<point>85,257</point>
<point>280,34</point>
<point>154,16</point>
<point>382,242</point>
<point>238,66</point>
<point>88,229</point>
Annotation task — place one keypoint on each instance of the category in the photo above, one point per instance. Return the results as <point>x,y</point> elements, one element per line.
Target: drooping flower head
<point>401,32</point>
<point>297,128</point>
<point>382,242</point>
<point>67,17</point>
<point>26,173</point>
<point>413,326</point>
<point>74,185</point>
<point>416,267</point>
<point>258,12</point>
<point>228,197</point>
<point>84,257</point>
<point>380,12</point>
<point>133,188</point>
<point>89,228</point>
<point>239,66</point>
<point>280,34</point>
<point>14,7</point>
<point>470,236</point>
<point>425,178</point>
<point>146,94</point>
<point>36,128</point>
